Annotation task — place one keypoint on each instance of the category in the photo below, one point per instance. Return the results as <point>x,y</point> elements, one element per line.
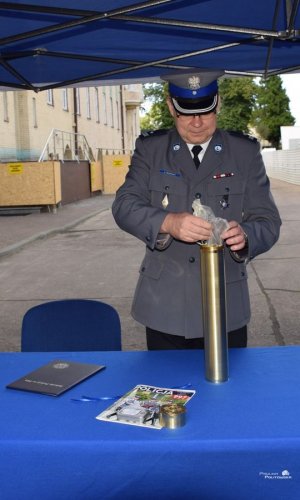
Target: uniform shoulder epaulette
<point>153,133</point>
<point>242,135</point>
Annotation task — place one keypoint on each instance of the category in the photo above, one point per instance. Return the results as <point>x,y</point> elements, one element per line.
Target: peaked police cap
<point>194,92</point>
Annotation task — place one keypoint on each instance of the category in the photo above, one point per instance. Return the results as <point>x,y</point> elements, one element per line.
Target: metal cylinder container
<point>172,416</point>
<point>214,312</point>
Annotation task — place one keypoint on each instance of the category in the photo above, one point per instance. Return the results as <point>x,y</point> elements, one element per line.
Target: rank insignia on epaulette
<point>242,135</point>
<point>152,133</point>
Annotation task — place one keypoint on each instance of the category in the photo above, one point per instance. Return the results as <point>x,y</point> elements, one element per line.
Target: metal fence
<point>62,145</point>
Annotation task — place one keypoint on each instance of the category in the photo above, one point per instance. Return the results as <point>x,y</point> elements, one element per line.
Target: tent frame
<point>124,14</point>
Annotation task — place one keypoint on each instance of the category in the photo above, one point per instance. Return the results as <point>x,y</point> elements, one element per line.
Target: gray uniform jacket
<point>168,292</point>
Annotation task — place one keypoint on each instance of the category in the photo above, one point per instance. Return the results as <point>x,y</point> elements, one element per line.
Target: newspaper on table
<point>141,405</point>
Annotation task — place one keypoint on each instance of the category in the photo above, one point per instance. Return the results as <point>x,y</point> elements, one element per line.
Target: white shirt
<point>204,146</point>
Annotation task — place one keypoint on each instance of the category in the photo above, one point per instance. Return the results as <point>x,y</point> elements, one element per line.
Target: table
<point>241,439</point>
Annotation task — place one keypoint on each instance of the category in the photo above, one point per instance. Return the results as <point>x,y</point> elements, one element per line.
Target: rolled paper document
<point>218,224</point>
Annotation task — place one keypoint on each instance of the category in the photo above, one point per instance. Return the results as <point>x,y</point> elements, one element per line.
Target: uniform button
<point>167,188</point>
<point>242,273</point>
<point>191,260</point>
<point>198,195</point>
<point>143,269</point>
<point>148,238</point>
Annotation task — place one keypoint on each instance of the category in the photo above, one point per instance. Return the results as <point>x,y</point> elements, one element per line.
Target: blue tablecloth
<point>241,439</point>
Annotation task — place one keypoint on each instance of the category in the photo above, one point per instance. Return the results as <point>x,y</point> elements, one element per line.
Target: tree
<point>158,116</point>
<point>245,104</point>
<point>271,110</point>
<point>237,98</point>
<point>237,101</point>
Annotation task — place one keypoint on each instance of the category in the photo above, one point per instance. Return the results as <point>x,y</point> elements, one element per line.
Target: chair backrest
<point>71,325</point>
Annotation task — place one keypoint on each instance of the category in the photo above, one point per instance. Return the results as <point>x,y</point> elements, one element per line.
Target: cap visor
<point>195,106</point>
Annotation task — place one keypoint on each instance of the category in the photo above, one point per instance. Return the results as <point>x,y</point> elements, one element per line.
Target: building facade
<point>69,123</point>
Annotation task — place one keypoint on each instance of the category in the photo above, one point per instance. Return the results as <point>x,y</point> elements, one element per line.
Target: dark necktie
<point>196,150</point>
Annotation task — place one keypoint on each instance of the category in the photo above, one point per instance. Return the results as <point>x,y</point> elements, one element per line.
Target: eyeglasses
<point>204,116</point>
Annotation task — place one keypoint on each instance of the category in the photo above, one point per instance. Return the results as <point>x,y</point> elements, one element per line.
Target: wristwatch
<point>246,239</point>
<point>241,255</point>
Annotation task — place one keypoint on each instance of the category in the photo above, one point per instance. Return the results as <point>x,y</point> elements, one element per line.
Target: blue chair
<point>71,325</point>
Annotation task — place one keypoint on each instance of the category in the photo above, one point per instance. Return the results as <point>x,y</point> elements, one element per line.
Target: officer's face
<point>194,129</point>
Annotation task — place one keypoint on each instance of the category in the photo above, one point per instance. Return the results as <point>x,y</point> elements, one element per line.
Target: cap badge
<point>194,82</point>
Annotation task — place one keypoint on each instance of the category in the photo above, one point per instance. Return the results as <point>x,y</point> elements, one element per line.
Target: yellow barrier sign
<point>15,168</point>
<point>117,163</point>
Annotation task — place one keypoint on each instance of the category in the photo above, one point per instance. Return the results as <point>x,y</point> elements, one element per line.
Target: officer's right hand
<point>186,227</point>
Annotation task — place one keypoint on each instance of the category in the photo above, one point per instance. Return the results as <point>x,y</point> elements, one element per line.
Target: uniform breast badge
<point>165,201</point>
<point>225,201</point>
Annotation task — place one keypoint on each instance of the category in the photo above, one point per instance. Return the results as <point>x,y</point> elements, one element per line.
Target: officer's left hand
<point>234,237</point>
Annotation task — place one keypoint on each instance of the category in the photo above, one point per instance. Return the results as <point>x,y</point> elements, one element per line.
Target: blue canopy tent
<point>60,43</point>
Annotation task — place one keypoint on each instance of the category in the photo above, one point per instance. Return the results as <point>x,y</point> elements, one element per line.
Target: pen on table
<point>221,176</point>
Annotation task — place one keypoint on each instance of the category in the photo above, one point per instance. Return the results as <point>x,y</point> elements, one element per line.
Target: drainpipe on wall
<point>122,118</point>
<point>75,122</point>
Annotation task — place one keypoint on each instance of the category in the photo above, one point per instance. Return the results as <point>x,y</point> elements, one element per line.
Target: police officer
<point>169,170</point>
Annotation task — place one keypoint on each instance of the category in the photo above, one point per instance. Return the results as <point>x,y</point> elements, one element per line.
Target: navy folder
<point>56,377</point>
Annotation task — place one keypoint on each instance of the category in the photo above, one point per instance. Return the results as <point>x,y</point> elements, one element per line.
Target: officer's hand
<point>186,227</point>
<point>234,237</point>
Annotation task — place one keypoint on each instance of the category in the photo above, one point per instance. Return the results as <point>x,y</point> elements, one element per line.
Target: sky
<point>291,83</point>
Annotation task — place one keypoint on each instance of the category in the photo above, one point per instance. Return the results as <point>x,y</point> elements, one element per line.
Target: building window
<point>104,106</point>
<point>78,112</point>
<point>34,113</point>
<point>5,107</point>
<point>65,103</point>
<point>88,104</point>
<point>97,105</point>
<point>118,109</point>
<point>112,112</point>
<point>50,98</point>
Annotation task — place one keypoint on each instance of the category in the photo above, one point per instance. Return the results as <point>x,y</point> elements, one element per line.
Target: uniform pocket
<point>235,271</point>
<point>151,268</point>
<point>226,197</point>
<point>171,189</point>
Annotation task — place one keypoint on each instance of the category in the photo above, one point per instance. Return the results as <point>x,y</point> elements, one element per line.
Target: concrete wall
<point>290,137</point>
<point>283,165</point>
